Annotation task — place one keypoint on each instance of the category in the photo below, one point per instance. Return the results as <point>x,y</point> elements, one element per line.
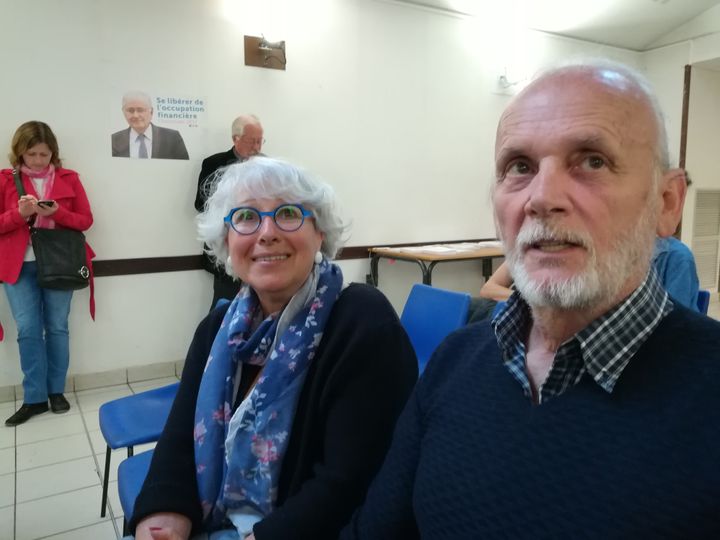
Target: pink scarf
<point>48,173</point>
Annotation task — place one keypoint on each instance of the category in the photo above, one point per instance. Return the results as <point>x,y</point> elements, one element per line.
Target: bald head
<point>138,110</point>
<point>582,185</point>
<point>238,125</point>
<point>612,78</point>
<point>137,97</point>
<point>247,135</point>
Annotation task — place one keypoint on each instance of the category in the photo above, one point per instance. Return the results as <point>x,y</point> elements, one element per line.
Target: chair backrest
<point>131,475</point>
<point>429,315</point>
<point>136,419</point>
<point>703,301</point>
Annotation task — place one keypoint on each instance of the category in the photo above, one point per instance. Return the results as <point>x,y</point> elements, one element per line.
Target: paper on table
<point>489,244</point>
<point>429,249</point>
<point>449,248</point>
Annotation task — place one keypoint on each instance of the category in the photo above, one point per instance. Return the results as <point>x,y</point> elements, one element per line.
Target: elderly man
<point>137,141</point>
<point>590,407</point>
<point>247,138</point>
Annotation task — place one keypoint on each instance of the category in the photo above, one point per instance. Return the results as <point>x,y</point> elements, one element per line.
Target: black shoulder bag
<point>60,254</point>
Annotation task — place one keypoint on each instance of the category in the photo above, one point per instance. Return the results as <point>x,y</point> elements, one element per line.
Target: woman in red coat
<point>54,198</point>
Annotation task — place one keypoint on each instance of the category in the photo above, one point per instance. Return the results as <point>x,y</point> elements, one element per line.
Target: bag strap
<point>21,192</point>
<point>18,183</point>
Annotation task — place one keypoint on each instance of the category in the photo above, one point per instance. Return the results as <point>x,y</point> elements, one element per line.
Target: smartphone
<point>46,204</point>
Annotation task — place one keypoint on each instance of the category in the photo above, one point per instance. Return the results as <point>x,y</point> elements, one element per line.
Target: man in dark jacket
<point>247,138</point>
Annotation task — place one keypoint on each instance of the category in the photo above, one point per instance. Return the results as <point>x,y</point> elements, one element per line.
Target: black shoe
<point>25,413</point>
<point>58,403</point>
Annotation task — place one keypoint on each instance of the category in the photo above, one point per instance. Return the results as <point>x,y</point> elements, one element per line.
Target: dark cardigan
<point>472,457</point>
<point>355,389</point>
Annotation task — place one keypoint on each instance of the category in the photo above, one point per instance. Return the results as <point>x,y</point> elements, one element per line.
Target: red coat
<point>73,213</point>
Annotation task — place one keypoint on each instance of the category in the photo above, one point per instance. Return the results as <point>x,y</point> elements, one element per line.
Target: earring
<point>318,257</point>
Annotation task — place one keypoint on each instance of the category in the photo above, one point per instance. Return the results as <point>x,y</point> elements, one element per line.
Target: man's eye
<point>595,162</point>
<point>519,167</point>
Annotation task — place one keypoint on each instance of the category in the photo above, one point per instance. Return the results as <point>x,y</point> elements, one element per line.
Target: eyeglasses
<point>247,220</point>
<point>253,141</point>
<point>133,110</point>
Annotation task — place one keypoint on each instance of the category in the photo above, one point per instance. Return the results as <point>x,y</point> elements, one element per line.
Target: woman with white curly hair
<point>290,393</point>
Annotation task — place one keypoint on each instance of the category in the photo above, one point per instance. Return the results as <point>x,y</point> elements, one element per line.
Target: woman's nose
<point>267,229</point>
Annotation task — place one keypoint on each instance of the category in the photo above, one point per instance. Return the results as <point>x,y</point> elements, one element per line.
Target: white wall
<point>703,137</point>
<point>665,67</point>
<point>395,105</point>
<point>706,23</point>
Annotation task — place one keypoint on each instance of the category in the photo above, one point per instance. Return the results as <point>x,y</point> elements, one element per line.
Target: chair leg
<point>131,452</point>
<point>106,478</point>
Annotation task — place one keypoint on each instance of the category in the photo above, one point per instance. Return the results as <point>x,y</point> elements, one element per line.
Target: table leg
<point>427,271</point>
<point>374,259</point>
<point>487,267</point>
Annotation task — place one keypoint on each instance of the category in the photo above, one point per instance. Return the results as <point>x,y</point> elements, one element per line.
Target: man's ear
<point>673,188</point>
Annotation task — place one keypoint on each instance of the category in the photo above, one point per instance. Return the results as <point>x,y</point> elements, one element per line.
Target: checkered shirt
<point>602,349</point>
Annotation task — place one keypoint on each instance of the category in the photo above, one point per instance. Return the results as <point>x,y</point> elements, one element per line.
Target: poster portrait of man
<point>142,139</point>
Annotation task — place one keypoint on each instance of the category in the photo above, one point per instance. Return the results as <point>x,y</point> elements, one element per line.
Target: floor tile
<point>49,427</point>
<point>55,494</point>
<point>100,531</point>
<point>119,527</point>
<point>7,408</point>
<point>55,479</point>
<point>117,457</point>
<point>90,400</point>
<point>7,521</point>
<point>57,450</point>
<point>92,420</point>
<point>98,442</point>
<point>7,435</point>
<point>7,460</point>
<point>58,513</point>
<point>151,384</point>
<point>114,500</point>
<point>7,490</point>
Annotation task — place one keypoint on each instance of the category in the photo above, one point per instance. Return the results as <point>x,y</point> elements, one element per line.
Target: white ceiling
<point>630,24</point>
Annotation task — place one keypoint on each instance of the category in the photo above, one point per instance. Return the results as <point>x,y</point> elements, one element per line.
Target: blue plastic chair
<point>132,420</point>
<point>429,315</point>
<point>703,301</point>
<point>131,475</point>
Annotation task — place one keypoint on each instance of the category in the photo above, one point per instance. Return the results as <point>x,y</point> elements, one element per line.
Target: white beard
<point>601,280</point>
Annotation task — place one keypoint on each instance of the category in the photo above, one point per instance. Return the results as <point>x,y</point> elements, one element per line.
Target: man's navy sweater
<point>473,458</point>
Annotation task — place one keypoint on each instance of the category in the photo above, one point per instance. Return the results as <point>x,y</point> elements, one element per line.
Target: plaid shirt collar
<point>602,349</point>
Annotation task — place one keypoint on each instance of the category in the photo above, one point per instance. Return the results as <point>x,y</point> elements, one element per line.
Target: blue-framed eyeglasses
<point>247,220</point>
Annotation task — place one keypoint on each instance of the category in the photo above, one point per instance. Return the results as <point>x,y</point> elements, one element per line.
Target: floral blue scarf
<point>251,478</point>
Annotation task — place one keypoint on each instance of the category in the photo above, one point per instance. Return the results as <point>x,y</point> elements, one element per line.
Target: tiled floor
<point>51,467</point>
